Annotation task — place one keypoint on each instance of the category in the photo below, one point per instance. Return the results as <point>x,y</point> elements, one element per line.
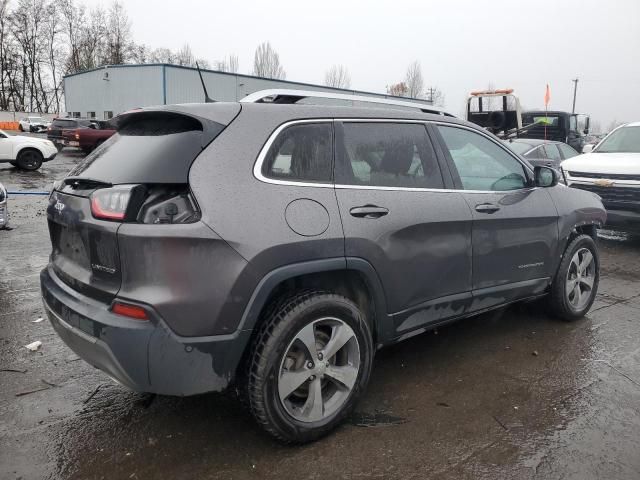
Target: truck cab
<point>565,127</point>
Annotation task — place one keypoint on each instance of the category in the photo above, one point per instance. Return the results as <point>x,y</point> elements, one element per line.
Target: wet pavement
<point>511,394</point>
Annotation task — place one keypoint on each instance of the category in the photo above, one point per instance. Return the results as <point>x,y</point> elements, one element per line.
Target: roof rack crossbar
<point>291,96</point>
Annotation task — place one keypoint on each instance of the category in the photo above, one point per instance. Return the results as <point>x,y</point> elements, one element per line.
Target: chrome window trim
<point>257,168</point>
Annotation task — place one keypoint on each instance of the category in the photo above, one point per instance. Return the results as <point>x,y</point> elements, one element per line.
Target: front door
<point>397,216</point>
<point>514,224</point>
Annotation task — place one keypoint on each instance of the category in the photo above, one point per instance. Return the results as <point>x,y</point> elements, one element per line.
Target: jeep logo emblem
<point>59,206</point>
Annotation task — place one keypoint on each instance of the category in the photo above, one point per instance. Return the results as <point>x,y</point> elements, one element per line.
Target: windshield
<point>520,147</point>
<point>623,140</point>
<point>36,119</point>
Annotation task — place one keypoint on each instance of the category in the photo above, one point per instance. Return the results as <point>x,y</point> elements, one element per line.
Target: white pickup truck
<point>612,170</point>
<point>27,153</point>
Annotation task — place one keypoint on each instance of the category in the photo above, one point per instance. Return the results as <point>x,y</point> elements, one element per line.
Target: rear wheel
<point>576,284</point>
<point>29,160</point>
<point>310,362</point>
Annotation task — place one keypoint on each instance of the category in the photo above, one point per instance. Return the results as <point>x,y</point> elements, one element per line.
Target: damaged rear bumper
<point>145,356</point>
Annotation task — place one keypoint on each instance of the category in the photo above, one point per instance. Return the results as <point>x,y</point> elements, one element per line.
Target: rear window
<point>149,147</point>
<point>61,123</point>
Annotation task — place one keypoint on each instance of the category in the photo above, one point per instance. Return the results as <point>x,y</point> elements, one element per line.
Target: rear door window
<point>387,155</point>
<point>302,152</point>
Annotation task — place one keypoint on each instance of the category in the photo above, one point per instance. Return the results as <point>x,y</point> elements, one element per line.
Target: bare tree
<point>118,35</point>
<point>266,63</point>
<point>337,77</point>
<point>227,64</point>
<point>184,56</point>
<point>414,81</point>
<point>398,89</point>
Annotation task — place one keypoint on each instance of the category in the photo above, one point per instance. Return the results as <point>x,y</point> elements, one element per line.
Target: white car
<point>4,210</point>
<point>612,170</point>
<point>27,153</point>
<point>33,124</point>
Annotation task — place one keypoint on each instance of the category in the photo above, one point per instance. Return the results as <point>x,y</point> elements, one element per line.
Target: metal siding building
<point>114,89</point>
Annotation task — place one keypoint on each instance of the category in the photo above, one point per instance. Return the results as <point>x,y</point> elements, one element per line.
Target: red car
<point>88,138</point>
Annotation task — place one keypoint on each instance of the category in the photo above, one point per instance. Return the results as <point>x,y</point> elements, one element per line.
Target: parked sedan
<point>33,124</point>
<point>551,153</point>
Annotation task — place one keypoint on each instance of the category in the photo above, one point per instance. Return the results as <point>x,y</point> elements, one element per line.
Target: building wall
<point>131,86</point>
<point>125,88</point>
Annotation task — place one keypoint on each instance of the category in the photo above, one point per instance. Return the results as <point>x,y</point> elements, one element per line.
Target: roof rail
<point>290,96</point>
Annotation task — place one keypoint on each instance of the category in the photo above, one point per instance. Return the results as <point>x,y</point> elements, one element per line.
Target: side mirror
<point>545,176</point>
<point>588,148</point>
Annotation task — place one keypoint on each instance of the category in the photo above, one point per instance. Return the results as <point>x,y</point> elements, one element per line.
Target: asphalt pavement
<point>511,394</point>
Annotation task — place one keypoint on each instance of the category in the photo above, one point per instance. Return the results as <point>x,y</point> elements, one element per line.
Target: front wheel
<point>29,160</point>
<point>310,362</point>
<point>576,283</point>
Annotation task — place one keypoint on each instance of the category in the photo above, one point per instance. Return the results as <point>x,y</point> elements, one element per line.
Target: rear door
<point>514,224</point>
<point>397,215</point>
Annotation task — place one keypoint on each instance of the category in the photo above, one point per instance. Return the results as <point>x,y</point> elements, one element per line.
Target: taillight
<point>77,136</point>
<point>128,310</point>
<point>111,203</point>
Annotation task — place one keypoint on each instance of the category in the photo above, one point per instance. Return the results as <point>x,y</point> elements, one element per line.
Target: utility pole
<point>575,90</point>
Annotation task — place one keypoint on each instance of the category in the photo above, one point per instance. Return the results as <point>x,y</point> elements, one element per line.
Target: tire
<point>15,164</point>
<point>29,160</point>
<point>568,303</point>
<point>280,360</point>
<point>20,127</point>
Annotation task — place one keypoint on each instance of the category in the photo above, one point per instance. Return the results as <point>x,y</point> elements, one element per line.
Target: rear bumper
<point>625,220</point>
<point>142,355</point>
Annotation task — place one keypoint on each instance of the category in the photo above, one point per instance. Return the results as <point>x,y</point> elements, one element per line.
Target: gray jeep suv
<point>276,247</point>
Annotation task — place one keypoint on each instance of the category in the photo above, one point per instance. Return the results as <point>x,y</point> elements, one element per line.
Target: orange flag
<point>547,96</point>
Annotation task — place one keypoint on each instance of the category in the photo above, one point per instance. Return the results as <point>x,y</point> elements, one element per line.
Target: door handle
<point>368,211</point>
<point>487,208</point>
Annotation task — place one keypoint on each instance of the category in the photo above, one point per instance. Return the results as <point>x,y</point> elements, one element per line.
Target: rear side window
<point>149,147</point>
<point>387,155</point>
<point>302,153</point>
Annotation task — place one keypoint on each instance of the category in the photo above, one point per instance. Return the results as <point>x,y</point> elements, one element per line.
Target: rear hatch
<point>139,175</point>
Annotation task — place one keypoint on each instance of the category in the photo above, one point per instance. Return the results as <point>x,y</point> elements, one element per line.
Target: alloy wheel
<point>580,279</point>
<point>319,370</point>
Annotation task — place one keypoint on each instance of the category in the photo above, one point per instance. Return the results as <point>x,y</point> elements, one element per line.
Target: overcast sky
<point>462,45</point>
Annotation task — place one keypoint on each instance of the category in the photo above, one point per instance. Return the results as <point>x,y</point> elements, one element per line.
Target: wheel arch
<point>590,229</point>
<point>23,148</point>
<point>354,278</point>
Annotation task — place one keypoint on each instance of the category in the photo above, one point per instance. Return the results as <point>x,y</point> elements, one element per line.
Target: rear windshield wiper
<point>86,181</point>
